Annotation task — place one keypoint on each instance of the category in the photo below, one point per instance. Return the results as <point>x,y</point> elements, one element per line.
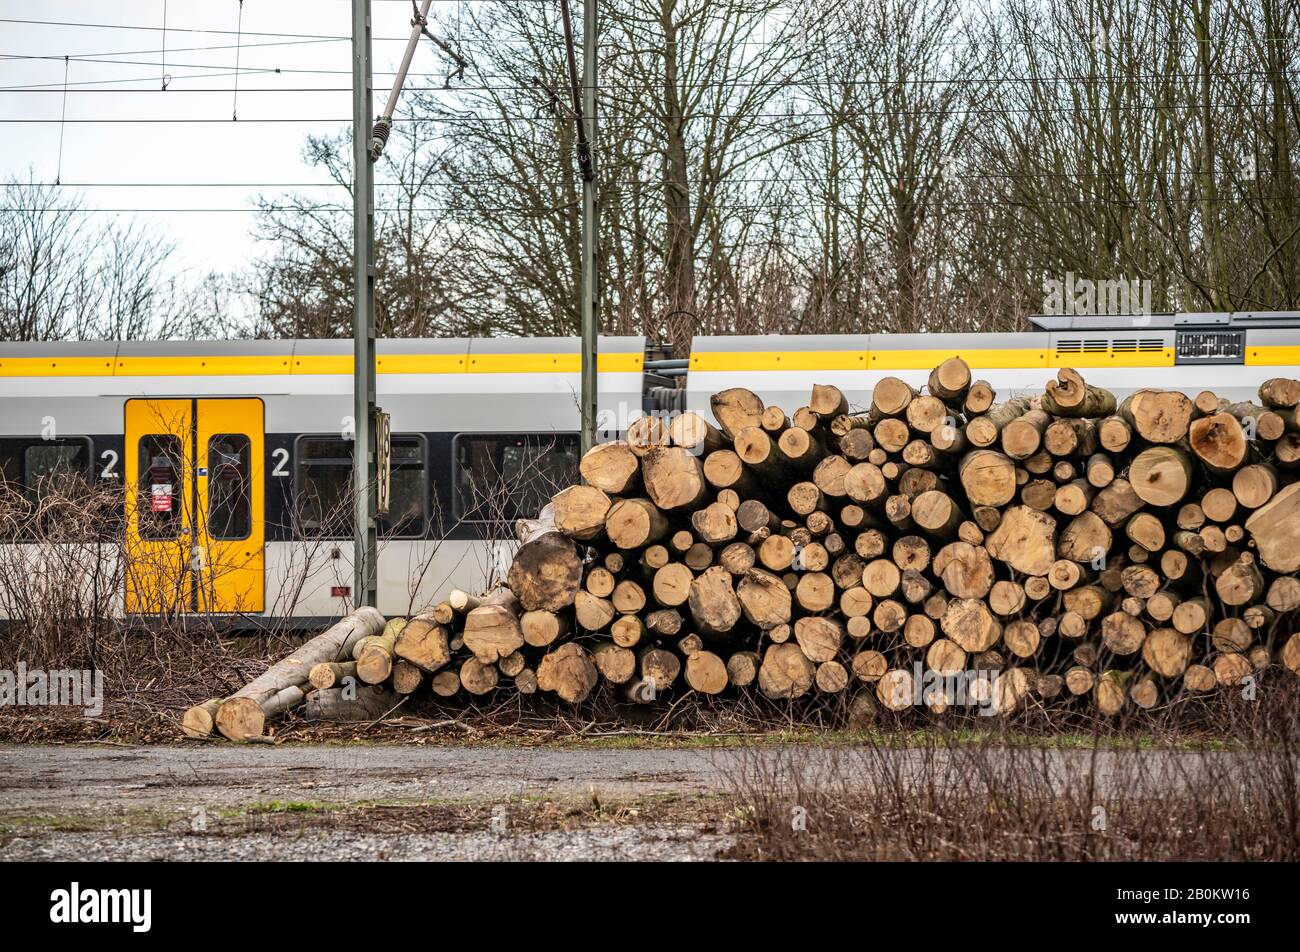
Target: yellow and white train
<point>233,458</point>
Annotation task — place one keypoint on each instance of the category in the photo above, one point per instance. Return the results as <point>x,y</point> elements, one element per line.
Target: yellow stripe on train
<point>1272,356</point>
<point>895,360</point>
<point>264,365</point>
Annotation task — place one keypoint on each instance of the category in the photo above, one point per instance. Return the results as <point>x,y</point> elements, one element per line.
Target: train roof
<point>454,384</point>
<point>1181,320</point>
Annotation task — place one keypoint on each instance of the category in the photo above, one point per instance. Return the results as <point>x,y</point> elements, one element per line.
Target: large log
<point>366,702</point>
<point>950,380</point>
<point>1025,539</point>
<point>984,430</point>
<point>706,673</point>
<point>633,523</point>
<point>713,602</point>
<point>786,672</point>
<point>1219,442</point>
<point>764,599</point>
<point>1022,437</point>
<point>375,656</point>
<point>243,715</point>
<point>736,409</point>
<point>1069,396</point>
<point>424,643</point>
<point>891,396</point>
<point>1275,527</point>
<point>1279,392</point>
<point>611,467</point>
<point>568,672</point>
<point>546,573</point>
<point>674,478</point>
<point>988,477</point>
<point>1161,475</point>
<point>692,432</point>
<point>1158,416</point>
<point>492,630</point>
<point>580,511</point>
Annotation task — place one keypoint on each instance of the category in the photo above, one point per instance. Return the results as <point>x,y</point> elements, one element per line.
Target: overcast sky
<point>116,74</point>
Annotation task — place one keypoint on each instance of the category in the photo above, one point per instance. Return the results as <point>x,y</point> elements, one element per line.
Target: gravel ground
<point>658,843</point>
<point>216,775</point>
<point>110,803</point>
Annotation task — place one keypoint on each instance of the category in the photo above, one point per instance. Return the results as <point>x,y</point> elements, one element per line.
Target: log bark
<point>366,703</point>
<point>1069,396</point>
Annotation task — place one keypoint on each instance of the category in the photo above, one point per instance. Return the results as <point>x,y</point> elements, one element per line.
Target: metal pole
<point>364,536</point>
<point>590,223</point>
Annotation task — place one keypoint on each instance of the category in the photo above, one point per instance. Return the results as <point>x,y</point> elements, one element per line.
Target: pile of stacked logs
<point>1074,547</point>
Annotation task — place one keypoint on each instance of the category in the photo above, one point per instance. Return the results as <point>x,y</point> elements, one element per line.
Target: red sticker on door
<point>161,497</point>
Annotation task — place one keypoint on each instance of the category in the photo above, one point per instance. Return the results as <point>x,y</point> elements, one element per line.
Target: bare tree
<point>875,165</point>
<point>304,287</point>
<point>65,276</point>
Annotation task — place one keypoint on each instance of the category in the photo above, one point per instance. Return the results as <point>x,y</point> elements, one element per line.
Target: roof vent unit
<point>1210,347</point>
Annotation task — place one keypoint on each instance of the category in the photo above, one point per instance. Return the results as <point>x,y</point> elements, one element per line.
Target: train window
<point>230,501</point>
<point>158,510</point>
<point>34,470</point>
<point>35,466</point>
<point>501,477</point>
<point>408,502</point>
<point>52,460</point>
<point>324,487</point>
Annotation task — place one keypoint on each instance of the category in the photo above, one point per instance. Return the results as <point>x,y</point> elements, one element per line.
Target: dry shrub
<point>61,586</point>
<point>950,794</point>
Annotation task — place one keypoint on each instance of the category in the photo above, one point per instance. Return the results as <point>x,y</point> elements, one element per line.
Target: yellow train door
<point>231,559</point>
<point>195,505</point>
<point>159,506</point>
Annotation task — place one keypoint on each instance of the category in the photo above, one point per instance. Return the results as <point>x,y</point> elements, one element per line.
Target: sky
<point>187,153</point>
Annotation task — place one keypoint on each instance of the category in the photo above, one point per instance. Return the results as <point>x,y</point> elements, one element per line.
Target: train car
<point>232,459</point>
<point>1229,353</point>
